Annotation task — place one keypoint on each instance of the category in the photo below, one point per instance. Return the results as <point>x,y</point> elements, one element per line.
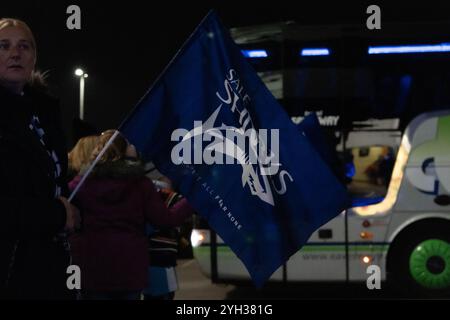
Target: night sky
<point>124,45</point>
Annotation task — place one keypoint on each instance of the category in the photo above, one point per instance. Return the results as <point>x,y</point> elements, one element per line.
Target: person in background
<point>80,155</point>
<point>117,201</point>
<point>163,248</point>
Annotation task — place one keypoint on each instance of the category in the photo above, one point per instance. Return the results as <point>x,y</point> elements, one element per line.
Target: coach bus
<point>383,100</point>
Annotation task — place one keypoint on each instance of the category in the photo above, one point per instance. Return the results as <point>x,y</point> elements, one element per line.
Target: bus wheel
<point>419,263</point>
<point>429,264</point>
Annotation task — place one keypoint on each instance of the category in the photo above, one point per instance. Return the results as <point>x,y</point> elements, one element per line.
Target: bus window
<point>372,171</point>
<point>363,101</point>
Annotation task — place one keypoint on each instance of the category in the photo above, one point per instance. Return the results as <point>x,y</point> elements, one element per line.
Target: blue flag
<point>211,125</point>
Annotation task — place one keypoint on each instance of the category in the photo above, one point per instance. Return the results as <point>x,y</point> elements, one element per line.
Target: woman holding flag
<point>117,200</point>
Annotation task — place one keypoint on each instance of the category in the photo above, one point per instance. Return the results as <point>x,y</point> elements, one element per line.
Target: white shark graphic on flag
<point>228,147</point>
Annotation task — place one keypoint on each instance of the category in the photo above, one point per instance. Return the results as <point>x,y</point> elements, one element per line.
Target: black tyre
<point>419,260</point>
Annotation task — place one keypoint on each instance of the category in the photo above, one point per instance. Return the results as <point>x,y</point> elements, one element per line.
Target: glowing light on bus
<point>366,259</point>
<point>394,185</point>
<point>315,52</point>
<point>197,238</point>
<point>255,53</point>
<point>428,48</point>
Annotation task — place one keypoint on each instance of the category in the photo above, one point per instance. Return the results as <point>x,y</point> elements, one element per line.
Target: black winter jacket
<point>33,261</point>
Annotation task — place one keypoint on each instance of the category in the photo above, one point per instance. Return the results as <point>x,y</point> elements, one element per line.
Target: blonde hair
<point>116,151</point>
<point>80,155</point>
<point>10,22</point>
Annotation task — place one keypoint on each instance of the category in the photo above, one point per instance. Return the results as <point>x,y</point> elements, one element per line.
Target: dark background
<point>124,45</point>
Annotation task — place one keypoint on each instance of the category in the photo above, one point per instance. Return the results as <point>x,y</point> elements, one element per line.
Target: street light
<point>80,73</point>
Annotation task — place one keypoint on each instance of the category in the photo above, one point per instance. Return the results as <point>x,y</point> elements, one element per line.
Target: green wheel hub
<point>429,264</point>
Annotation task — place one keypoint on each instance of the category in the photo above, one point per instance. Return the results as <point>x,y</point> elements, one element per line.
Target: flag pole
<point>91,167</point>
<point>135,107</point>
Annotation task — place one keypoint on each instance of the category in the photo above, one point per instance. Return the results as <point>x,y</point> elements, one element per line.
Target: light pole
<point>80,73</point>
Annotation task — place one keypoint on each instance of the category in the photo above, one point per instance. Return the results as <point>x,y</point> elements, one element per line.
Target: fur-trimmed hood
<point>110,182</point>
<point>124,168</point>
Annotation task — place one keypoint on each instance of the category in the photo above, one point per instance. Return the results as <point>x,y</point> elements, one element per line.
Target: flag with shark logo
<point>212,127</point>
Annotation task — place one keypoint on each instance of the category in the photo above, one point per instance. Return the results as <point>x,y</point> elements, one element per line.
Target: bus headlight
<point>197,238</point>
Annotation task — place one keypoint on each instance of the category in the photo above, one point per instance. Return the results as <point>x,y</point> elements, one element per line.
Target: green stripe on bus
<point>321,248</point>
<point>334,248</point>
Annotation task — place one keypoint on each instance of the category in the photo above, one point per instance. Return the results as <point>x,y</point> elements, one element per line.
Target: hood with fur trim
<point>124,168</point>
<point>110,182</point>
